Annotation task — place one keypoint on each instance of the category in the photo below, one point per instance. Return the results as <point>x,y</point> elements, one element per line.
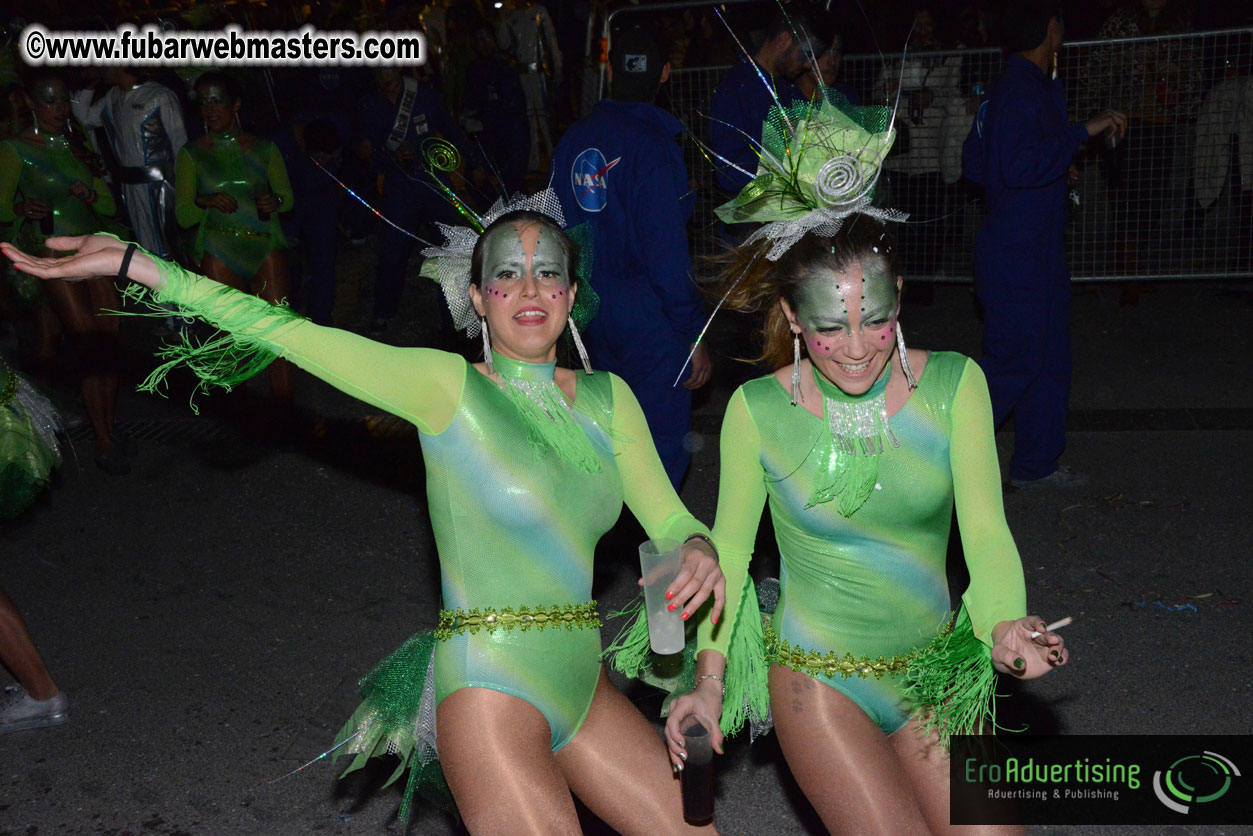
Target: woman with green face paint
<point>863,449</point>
<point>527,466</point>
<point>50,184</point>
<point>231,185</point>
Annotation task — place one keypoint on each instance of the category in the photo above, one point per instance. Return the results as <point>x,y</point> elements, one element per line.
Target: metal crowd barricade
<point>1172,201</point>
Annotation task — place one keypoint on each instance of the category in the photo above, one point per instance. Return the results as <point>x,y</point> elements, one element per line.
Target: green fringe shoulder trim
<point>224,359</point>
<point>747,695</point>
<point>953,684</point>
<point>385,723</point>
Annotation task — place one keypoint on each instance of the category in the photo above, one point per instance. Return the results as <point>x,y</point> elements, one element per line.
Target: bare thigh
<point>926,767</point>
<point>216,269</point>
<point>273,281</point>
<point>618,766</point>
<point>846,766</point>
<point>496,753</point>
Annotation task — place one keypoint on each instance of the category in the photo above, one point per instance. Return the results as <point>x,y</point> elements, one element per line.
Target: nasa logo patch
<point>588,178</point>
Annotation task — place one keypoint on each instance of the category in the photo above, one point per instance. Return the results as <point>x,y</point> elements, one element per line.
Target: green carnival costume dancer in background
<point>50,184</point>
<point>527,466</point>
<point>231,185</point>
<point>862,449</point>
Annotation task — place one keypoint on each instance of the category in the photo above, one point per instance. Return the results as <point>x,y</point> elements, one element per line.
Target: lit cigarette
<point>1056,625</point>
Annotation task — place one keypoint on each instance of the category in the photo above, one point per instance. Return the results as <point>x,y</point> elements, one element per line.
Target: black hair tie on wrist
<point>126,262</point>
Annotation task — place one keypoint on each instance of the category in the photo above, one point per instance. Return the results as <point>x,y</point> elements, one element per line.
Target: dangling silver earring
<point>900,347</point>
<point>487,346</point>
<point>796,368</point>
<point>34,120</point>
<point>578,345</point>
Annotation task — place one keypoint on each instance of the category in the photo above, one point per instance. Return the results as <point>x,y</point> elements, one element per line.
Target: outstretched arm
<point>421,385</point>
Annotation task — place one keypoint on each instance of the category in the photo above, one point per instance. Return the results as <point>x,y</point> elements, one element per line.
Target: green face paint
<point>831,302</point>
<point>214,95</point>
<point>50,93</point>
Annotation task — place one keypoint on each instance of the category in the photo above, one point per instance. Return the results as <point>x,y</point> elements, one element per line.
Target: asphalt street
<point>210,614</point>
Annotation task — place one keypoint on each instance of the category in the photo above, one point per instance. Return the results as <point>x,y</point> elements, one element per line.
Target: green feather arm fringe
<point>953,684</point>
<point>385,721</point>
<point>632,655</point>
<point>225,359</point>
<point>747,696</point>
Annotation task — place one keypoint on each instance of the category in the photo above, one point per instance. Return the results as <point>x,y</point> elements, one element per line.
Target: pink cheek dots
<point>818,346</point>
<point>559,293</point>
<point>495,292</point>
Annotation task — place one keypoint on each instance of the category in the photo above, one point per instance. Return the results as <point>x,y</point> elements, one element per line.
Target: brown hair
<point>757,283</point>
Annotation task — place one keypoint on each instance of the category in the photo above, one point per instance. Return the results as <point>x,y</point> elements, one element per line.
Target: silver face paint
<point>510,254</point>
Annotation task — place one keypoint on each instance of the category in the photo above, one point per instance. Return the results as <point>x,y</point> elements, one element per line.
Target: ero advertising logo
<point>1194,779</point>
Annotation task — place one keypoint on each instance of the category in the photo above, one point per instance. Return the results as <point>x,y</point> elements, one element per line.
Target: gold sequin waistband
<point>570,616</point>
<point>830,664</point>
<point>241,232</point>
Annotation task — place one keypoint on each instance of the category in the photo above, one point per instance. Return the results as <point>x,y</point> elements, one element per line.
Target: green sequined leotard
<point>871,584</point>
<point>240,240</point>
<point>45,172</point>
<point>512,529</point>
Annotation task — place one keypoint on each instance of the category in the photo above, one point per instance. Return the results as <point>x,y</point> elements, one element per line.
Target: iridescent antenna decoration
<point>701,336</point>
<point>328,752</point>
<point>366,204</point>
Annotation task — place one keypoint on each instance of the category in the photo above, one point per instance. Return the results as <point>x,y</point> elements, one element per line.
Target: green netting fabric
<point>397,717</point>
<point>29,451</point>
<point>818,163</point>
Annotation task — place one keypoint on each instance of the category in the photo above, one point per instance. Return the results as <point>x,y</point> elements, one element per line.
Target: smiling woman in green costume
<point>863,449</point>
<point>528,464</point>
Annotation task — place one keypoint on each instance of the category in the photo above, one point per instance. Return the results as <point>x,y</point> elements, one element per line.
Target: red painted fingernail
<point>672,606</point>
<point>669,595</point>
<point>714,619</point>
<point>685,615</point>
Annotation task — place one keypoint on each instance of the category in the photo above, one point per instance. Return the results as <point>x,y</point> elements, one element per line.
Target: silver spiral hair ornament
<point>840,180</point>
<point>441,154</point>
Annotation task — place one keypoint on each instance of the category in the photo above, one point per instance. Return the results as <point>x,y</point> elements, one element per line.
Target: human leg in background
<point>37,701</point>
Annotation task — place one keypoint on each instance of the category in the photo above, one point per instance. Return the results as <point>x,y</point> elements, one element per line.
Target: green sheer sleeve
<point>280,183</point>
<point>646,489</point>
<point>185,208</point>
<point>104,204</point>
<point>10,173</point>
<point>997,591</point>
<point>420,385</point>
<point>741,497</point>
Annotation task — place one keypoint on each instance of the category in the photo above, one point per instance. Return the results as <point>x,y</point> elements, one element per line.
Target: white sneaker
<point>20,711</point>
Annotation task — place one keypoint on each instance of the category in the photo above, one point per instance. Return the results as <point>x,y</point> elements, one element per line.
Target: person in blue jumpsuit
<point>1021,151</point>
<point>742,101</point>
<point>494,100</point>
<point>394,143</point>
<point>621,169</point>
